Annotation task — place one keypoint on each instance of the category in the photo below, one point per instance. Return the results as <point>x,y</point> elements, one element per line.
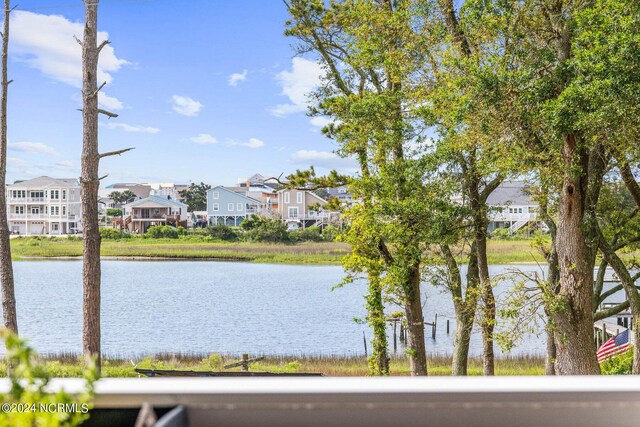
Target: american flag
<point>615,345</point>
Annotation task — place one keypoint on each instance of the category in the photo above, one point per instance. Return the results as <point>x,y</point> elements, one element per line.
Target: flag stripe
<point>615,345</point>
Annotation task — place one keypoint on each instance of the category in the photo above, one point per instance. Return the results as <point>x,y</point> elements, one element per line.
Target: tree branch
<point>115,153</point>
<point>98,90</point>
<point>78,40</point>
<point>103,44</point>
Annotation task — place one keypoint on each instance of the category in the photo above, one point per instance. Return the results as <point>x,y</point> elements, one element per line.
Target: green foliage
<point>261,229</point>
<point>113,234</point>
<point>213,362</point>
<point>621,364</point>
<point>34,405</point>
<point>114,212</point>
<point>221,232</point>
<point>195,197</point>
<point>162,232</point>
<point>330,233</point>
<point>310,234</point>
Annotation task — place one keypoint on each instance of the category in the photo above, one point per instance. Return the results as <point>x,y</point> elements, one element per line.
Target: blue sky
<point>206,90</point>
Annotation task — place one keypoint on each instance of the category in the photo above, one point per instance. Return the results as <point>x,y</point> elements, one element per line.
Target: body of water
<point>222,307</point>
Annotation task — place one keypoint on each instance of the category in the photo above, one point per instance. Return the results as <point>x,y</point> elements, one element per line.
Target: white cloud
<point>204,139</point>
<point>131,128</point>
<point>109,102</point>
<point>297,84</point>
<point>252,143</point>
<point>312,155</point>
<point>186,106</point>
<point>321,121</point>
<point>17,164</point>
<point>236,78</point>
<point>32,147</point>
<point>65,164</point>
<point>46,43</point>
<point>325,159</point>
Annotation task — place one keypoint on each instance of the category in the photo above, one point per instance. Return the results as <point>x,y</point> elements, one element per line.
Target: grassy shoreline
<point>312,253</point>
<point>69,365</point>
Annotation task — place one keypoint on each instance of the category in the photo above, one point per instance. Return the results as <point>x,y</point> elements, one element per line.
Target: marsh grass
<point>318,253</point>
<point>70,365</point>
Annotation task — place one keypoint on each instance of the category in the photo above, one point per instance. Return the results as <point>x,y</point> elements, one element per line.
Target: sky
<point>206,91</point>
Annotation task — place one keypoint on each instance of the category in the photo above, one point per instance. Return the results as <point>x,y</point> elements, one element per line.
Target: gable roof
<point>46,182</point>
<point>511,193</point>
<point>231,190</point>
<point>162,201</point>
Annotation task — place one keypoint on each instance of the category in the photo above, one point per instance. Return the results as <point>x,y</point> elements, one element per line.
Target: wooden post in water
<point>364,338</point>
<point>245,363</point>
<point>395,338</point>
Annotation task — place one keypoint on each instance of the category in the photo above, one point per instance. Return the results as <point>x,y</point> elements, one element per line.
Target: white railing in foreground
<point>444,401</point>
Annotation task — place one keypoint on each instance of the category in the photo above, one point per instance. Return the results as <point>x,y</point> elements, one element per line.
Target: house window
<point>18,194</point>
<point>239,207</point>
<point>55,194</point>
<point>286,197</point>
<point>215,195</point>
<point>230,207</point>
<point>64,210</point>
<point>216,207</point>
<point>55,226</point>
<point>342,190</point>
<point>55,210</point>
<point>293,212</point>
<point>35,211</point>
<point>19,209</point>
<point>299,197</point>
<point>64,194</point>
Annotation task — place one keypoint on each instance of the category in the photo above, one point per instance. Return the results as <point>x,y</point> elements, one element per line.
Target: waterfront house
<point>303,208</point>
<point>230,207</point>
<point>512,207</point>
<point>44,205</point>
<point>141,214</point>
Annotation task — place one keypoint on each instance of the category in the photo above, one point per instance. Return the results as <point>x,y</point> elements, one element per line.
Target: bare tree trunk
<point>488,320</point>
<point>573,319</point>
<point>9,315</point>
<point>415,325</point>
<point>90,182</point>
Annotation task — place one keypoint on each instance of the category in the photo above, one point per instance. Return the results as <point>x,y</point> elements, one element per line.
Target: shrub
<point>181,231</point>
<point>311,234</point>
<point>330,233</point>
<point>267,230</point>
<point>113,234</point>
<point>161,232</point>
<point>221,232</point>
<point>501,234</point>
<point>114,212</point>
<point>29,384</point>
<point>619,365</point>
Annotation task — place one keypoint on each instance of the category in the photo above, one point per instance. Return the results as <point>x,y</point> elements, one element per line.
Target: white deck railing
<point>434,401</point>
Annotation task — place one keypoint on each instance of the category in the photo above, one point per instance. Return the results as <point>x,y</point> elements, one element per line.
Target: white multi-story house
<point>512,207</point>
<point>44,205</point>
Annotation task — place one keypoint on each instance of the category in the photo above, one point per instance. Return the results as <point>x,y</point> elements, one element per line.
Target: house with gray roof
<point>44,205</point>
<point>512,207</point>
<point>141,214</point>
<point>229,206</point>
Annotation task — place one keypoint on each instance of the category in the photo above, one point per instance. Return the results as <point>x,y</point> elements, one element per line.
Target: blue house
<point>225,206</point>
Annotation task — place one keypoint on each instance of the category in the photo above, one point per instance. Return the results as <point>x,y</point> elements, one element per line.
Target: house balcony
<point>513,217</point>
<point>25,216</point>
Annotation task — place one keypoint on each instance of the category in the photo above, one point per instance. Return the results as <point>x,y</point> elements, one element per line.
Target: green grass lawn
<point>330,253</point>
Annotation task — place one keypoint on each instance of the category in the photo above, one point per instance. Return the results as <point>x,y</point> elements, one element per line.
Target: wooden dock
<point>604,330</point>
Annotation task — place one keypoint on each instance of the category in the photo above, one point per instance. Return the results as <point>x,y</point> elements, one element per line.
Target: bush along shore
<point>70,365</point>
<point>269,242</point>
